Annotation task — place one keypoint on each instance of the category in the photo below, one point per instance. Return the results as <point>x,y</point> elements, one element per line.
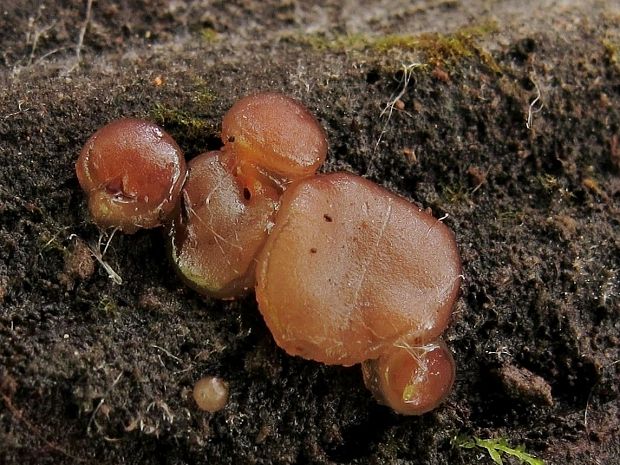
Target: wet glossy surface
<point>275,133</point>
<point>132,172</point>
<point>220,227</point>
<point>350,268</point>
<point>411,380</point>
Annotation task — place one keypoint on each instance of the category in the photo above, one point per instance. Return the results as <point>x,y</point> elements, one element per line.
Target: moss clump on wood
<point>437,49</point>
<point>190,114</point>
<point>168,116</point>
<point>201,93</point>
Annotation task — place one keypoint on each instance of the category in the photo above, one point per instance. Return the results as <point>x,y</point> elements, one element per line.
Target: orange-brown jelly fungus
<point>220,227</point>
<point>274,134</point>
<point>412,380</point>
<point>345,271</point>
<point>350,269</point>
<point>230,198</point>
<point>132,172</point>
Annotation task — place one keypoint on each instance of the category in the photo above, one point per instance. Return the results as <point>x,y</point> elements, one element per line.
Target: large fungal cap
<point>350,268</point>
<point>221,225</point>
<point>132,172</point>
<point>276,133</point>
<point>411,380</point>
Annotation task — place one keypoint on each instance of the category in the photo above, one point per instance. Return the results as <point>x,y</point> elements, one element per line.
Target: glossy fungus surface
<point>211,393</point>
<point>132,172</point>
<point>276,134</point>
<point>220,227</point>
<point>345,272</point>
<point>351,268</point>
<point>411,380</point>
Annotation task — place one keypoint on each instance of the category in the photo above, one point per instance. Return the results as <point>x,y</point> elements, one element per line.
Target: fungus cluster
<point>231,197</point>
<point>345,272</point>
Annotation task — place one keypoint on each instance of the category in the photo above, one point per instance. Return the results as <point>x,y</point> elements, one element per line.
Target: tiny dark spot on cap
<point>327,218</point>
<point>231,138</point>
<point>313,250</point>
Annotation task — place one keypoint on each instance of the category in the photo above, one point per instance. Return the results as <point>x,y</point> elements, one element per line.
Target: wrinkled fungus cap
<point>411,380</point>
<point>221,225</point>
<point>276,133</point>
<point>350,268</point>
<point>132,172</point>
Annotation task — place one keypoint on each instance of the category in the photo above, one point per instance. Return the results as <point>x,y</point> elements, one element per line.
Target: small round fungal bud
<point>211,394</point>
<point>350,268</point>
<point>411,380</point>
<point>132,172</point>
<point>222,224</point>
<point>276,133</point>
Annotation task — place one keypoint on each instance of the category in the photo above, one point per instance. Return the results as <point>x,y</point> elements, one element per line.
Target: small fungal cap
<point>350,268</point>
<point>211,394</point>
<point>411,380</point>
<point>276,133</point>
<point>132,172</point>
<point>220,227</point>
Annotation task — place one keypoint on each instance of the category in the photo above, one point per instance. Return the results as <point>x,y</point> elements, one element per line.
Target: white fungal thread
<point>420,375</point>
<point>439,220</point>
<point>101,402</point>
<point>532,110</point>
<point>98,254</point>
<point>389,107</point>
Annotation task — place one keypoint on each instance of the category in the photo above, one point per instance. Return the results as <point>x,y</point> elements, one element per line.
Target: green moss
<point>457,194</point>
<point>185,120</point>
<point>108,306</point>
<point>612,52</point>
<point>496,448</point>
<point>510,217</point>
<point>548,181</point>
<point>437,49</point>
<point>202,94</point>
<point>51,242</point>
<point>191,116</point>
<point>209,35</point>
<point>553,185</point>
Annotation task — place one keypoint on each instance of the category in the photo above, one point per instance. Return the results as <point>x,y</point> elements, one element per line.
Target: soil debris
<point>524,385</point>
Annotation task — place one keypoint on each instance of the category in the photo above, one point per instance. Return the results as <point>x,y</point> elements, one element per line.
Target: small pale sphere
<point>211,394</point>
